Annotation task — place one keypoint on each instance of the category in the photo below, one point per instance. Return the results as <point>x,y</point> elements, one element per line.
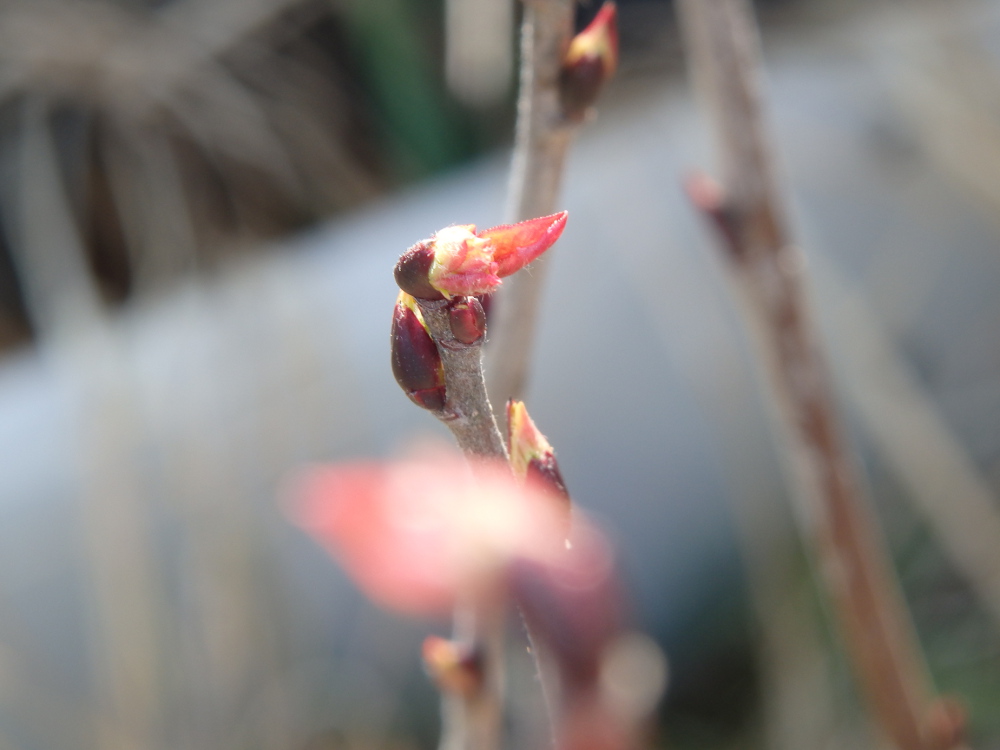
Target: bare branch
<point>767,271</point>
<point>542,140</point>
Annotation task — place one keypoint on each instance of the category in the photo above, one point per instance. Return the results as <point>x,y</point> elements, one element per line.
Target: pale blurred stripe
<point>479,49</point>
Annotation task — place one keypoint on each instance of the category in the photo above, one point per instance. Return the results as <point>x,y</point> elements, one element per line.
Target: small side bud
<point>708,198</point>
<point>467,319</point>
<point>589,63</point>
<point>532,459</point>
<point>412,271</point>
<point>454,668</point>
<point>416,362</point>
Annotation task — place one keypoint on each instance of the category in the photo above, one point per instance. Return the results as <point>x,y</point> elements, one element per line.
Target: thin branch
<point>542,140</point>
<point>467,413</point>
<point>470,721</point>
<point>838,523</point>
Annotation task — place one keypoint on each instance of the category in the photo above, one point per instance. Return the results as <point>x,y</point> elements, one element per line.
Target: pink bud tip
<point>517,245</point>
<point>532,459</point>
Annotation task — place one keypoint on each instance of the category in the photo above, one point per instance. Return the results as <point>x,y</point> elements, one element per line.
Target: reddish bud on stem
<point>467,319</point>
<point>454,668</point>
<point>707,197</point>
<point>590,62</point>
<point>459,261</point>
<point>532,459</point>
<point>416,362</point>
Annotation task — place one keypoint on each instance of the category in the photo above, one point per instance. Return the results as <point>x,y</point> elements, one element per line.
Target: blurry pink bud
<point>416,534</point>
<point>467,319</point>
<point>590,62</point>
<point>455,668</point>
<point>459,261</point>
<point>416,362</point>
<point>532,459</point>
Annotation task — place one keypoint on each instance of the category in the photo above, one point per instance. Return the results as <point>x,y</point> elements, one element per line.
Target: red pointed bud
<point>412,271</point>
<point>467,319</point>
<point>416,362</point>
<point>589,63</point>
<point>517,245</point>
<point>455,668</point>
<point>532,459</point>
<point>459,261</point>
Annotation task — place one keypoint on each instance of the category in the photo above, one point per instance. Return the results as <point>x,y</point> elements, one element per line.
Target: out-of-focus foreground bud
<point>467,319</point>
<point>416,362</point>
<point>573,604</point>
<point>459,261</point>
<point>453,667</point>
<point>590,62</point>
<point>532,459</point>
<point>419,534</point>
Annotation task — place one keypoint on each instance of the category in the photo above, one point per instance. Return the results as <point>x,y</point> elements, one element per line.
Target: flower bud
<point>589,63</point>
<point>467,319</point>
<point>416,362</point>
<point>532,459</point>
<point>454,668</point>
<point>412,271</point>
<point>459,261</point>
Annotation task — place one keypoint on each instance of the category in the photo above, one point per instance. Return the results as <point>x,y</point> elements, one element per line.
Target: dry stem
<point>473,721</point>
<point>467,413</point>
<point>542,140</point>
<point>723,52</point>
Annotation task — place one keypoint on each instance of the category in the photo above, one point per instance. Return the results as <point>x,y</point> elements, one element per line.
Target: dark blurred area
<point>200,203</point>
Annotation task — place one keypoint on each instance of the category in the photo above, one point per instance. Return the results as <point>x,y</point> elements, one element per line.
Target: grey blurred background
<point>200,204</point>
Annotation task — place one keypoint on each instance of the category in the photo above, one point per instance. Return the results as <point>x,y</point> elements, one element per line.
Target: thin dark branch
<point>838,523</point>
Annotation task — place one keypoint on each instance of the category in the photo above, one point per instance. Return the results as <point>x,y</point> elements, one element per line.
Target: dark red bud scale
<point>486,300</point>
<point>579,86</point>
<point>589,63</point>
<point>416,363</point>
<point>412,272</point>
<point>467,319</point>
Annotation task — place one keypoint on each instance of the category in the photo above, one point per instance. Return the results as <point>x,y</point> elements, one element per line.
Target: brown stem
<point>467,413</point>
<point>542,140</point>
<point>838,522</point>
<point>470,721</point>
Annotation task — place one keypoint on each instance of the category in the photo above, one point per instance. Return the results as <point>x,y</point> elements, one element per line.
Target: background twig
<point>723,51</point>
<point>542,139</point>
